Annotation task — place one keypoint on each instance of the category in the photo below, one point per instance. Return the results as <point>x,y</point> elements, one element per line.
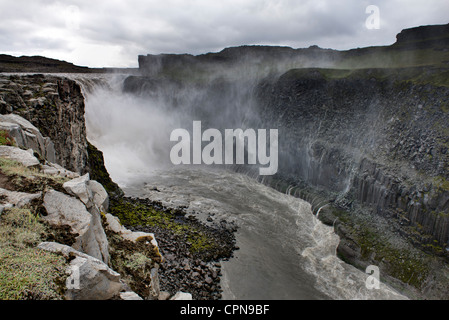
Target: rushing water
<point>285,251</point>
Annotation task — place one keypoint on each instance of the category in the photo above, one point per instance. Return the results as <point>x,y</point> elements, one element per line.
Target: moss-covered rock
<point>203,241</point>
<point>98,171</point>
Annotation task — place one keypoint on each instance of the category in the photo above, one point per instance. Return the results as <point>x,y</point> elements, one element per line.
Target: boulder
<point>89,278</point>
<point>101,241</point>
<point>14,130</point>
<point>113,224</point>
<point>27,135</point>
<point>78,187</point>
<point>66,210</point>
<point>25,157</point>
<point>100,196</point>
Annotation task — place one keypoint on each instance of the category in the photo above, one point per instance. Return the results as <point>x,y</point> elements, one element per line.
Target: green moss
<point>441,183</point>
<point>138,214</point>
<point>25,271</point>
<point>98,171</point>
<point>402,264</point>
<point>133,260</point>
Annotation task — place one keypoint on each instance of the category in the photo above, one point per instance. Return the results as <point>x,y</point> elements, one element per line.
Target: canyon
<point>363,136</point>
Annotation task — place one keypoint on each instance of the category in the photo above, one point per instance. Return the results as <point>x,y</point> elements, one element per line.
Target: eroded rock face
<point>380,144</point>
<point>54,106</point>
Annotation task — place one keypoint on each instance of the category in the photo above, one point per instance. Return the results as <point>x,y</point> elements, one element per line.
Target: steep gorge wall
<point>55,105</point>
<point>379,143</point>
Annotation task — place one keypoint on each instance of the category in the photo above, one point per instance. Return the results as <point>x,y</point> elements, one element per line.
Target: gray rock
<point>164,295</point>
<point>101,242</point>
<point>27,135</point>
<point>24,157</point>
<point>115,226</point>
<point>89,278</point>
<point>130,295</point>
<point>65,210</point>
<point>100,196</point>
<point>78,187</point>
<point>14,131</point>
<point>55,169</point>
<point>182,296</point>
<point>50,153</point>
<point>19,199</point>
<point>155,285</point>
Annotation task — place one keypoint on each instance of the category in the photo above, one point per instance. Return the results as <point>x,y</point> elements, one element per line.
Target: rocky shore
<point>192,251</point>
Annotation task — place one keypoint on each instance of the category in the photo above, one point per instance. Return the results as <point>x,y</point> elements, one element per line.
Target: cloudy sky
<point>112,33</point>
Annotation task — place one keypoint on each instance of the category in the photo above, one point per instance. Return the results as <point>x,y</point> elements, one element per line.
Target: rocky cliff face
<point>56,107</point>
<point>58,211</point>
<point>381,143</point>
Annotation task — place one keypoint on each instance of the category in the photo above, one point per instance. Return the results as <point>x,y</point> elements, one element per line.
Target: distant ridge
<point>424,46</point>
<point>39,64</point>
<point>433,38</point>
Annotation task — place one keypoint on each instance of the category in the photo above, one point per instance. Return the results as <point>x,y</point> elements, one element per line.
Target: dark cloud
<point>113,33</point>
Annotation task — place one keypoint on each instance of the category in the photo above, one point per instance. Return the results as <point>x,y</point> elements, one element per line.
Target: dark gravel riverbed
<point>191,257</point>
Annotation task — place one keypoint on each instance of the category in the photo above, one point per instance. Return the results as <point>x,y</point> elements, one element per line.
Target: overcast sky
<point>112,33</point>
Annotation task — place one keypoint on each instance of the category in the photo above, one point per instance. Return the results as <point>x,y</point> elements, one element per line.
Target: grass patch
<point>6,139</point>
<point>441,183</point>
<point>133,260</point>
<point>25,179</point>
<point>27,272</point>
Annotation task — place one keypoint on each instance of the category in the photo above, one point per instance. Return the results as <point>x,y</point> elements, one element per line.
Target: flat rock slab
<point>25,157</point>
